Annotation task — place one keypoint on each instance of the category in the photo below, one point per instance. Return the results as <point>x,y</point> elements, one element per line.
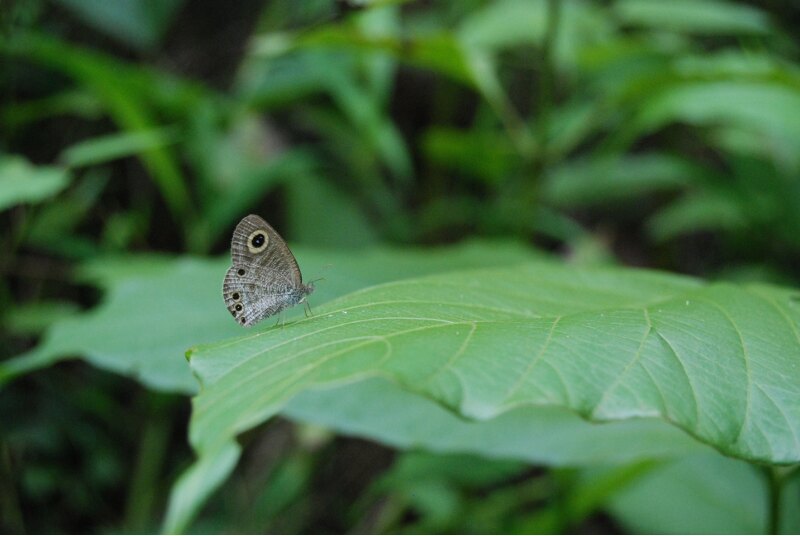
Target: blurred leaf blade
<point>703,212</point>
<point>776,121</point>
<point>34,318</point>
<point>104,148</point>
<point>545,435</point>
<point>21,182</point>
<point>702,17</point>
<point>703,493</point>
<point>136,23</point>
<point>110,336</point>
<point>113,84</point>
<point>192,488</point>
<point>603,180</point>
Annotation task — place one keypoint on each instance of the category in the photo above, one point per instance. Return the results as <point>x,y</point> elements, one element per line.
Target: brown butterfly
<point>264,278</point>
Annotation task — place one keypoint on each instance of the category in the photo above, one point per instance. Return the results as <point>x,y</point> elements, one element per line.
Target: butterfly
<point>264,278</point>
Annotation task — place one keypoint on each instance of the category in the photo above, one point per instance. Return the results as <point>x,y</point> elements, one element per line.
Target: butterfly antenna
<point>324,269</point>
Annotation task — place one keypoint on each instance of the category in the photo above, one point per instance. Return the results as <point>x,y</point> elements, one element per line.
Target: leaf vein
<point>688,378</point>
<point>451,361</point>
<point>636,358</point>
<point>536,359</point>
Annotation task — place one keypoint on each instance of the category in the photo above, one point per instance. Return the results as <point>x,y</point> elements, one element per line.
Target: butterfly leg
<point>308,310</point>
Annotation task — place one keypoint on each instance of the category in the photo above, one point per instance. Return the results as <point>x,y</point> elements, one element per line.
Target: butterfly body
<point>264,278</point>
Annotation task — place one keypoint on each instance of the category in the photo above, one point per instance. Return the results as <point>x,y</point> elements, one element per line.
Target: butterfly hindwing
<point>250,300</point>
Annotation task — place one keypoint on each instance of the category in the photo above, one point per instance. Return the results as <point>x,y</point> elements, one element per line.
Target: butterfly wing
<point>273,254</point>
<point>264,278</point>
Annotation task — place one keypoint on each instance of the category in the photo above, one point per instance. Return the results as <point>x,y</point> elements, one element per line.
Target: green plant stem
<point>546,82</point>
<point>776,483</point>
<point>144,481</point>
<point>513,124</point>
<point>10,512</point>
<point>536,161</point>
<point>774,496</point>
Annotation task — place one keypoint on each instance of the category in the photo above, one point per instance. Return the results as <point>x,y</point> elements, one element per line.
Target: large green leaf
<point>178,302</point>
<point>153,307</point>
<point>720,361</point>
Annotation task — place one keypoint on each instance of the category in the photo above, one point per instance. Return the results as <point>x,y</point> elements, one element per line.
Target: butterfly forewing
<point>276,255</point>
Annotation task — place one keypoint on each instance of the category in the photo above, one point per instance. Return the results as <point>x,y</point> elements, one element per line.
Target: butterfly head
<point>308,288</point>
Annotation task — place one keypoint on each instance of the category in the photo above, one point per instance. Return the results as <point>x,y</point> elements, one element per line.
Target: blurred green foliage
<point>659,134</point>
